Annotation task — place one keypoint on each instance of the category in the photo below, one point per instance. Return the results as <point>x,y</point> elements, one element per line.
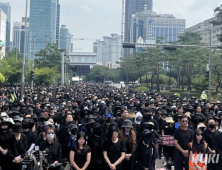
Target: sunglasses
<point>199,134</point>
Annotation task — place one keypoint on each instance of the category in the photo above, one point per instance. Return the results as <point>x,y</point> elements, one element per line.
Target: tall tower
<point>132,7</point>
<point>57,23</point>
<point>6,8</point>
<point>43,22</point>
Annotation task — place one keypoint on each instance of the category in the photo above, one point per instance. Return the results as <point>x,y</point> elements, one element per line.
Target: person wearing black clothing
<point>125,115</point>
<point>218,149</point>
<point>27,125</point>
<point>69,141</point>
<point>146,152</point>
<point>80,155</point>
<point>52,148</point>
<point>5,136</point>
<point>113,150</point>
<point>209,135</point>
<point>95,143</point>
<point>37,110</point>
<point>63,131</point>
<point>17,147</point>
<point>182,137</point>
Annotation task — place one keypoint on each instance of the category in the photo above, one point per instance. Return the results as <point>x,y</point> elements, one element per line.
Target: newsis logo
<point>205,158</point>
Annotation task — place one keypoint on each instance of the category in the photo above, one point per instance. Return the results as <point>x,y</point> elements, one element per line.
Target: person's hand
<point>112,166</point>
<point>17,160</point>
<point>213,152</point>
<point>185,153</point>
<point>56,162</point>
<point>127,156</point>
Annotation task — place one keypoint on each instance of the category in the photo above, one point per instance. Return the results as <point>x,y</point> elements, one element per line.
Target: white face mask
<point>50,136</point>
<point>127,133</point>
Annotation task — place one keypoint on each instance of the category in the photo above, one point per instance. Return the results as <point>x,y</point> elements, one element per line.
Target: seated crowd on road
<point>98,127</point>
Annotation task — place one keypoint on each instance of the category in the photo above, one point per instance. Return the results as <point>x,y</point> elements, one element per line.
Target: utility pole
<point>24,54</point>
<point>62,71</point>
<point>210,57</point>
<point>33,63</point>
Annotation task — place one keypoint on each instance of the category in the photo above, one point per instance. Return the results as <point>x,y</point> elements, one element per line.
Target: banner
<point>167,140</point>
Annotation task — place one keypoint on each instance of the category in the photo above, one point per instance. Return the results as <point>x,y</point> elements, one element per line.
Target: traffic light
<point>207,75</point>
<point>32,74</point>
<point>129,45</point>
<point>170,48</point>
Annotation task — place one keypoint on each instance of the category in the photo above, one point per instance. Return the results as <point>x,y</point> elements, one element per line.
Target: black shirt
<point>184,137</point>
<point>114,151</point>
<point>209,137</point>
<point>53,149</point>
<point>80,156</point>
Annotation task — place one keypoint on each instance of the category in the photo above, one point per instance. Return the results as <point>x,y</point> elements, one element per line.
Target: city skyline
<point>79,16</point>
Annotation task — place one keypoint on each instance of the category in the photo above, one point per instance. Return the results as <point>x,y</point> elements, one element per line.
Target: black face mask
<point>139,118</point>
<point>149,116</point>
<point>97,131</point>
<point>108,120</point>
<point>74,131</point>
<point>212,126</point>
<point>25,126</point>
<point>5,130</point>
<point>147,139</point>
<point>150,127</point>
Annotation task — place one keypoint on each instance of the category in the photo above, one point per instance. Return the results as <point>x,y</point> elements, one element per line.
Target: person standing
<point>182,137</point>
<point>80,155</point>
<point>114,150</point>
<point>209,135</point>
<point>218,149</point>
<point>17,147</point>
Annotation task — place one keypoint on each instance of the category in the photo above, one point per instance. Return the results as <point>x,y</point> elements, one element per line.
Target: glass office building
<point>42,22</point>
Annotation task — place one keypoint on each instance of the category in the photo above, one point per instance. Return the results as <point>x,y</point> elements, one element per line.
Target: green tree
<point>218,21</point>
<point>46,75</point>
<point>199,83</point>
<point>2,78</point>
<point>11,67</point>
<point>49,57</point>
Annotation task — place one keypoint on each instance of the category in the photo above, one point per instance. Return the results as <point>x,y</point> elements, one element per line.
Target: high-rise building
<point>18,40</point>
<point>3,32</point>
<point>109,51</point>
<point>42,22</point>
<point>204,28</point>
<point>65,39</point>
<point>151,26</point>
<point>7,10</point>
<point>132,7</point>
<point>57,23</point>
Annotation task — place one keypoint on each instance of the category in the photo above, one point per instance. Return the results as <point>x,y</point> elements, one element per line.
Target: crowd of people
<point>99,127</point>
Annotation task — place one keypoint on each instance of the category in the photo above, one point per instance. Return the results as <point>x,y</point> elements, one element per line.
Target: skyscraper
<point>131,7</point>
<point>43,16</point>
<point>65,39</point>
<point>3,23</point>
<point>57,22</point>
<point>19,36</point>
<point>6,8</point>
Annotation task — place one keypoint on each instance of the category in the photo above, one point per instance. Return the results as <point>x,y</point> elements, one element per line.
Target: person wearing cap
<point>203,96</point>
<point>69,142</point>
<point>18,145</point>
<point>125,115</point>
<point>114,149</point>
<point>95,143</point>
<point>5,136</point>
<point>128,135</point>
<point>145,153</point>
<point>168,129</point>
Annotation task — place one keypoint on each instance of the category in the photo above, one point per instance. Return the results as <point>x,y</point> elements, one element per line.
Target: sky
<point>93,19</point>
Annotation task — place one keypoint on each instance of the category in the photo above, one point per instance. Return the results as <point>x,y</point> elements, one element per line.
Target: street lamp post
<point>33,62</point>
<point>24,54</point>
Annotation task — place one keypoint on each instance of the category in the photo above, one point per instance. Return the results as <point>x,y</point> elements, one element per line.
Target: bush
<point>169,93</point>
<point>141,89</point>
<point>175,90</point>
<point>164,79</point>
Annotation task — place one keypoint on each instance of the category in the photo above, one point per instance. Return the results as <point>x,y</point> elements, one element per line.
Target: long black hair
<point>198,147</point>
<point>79,135</point>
